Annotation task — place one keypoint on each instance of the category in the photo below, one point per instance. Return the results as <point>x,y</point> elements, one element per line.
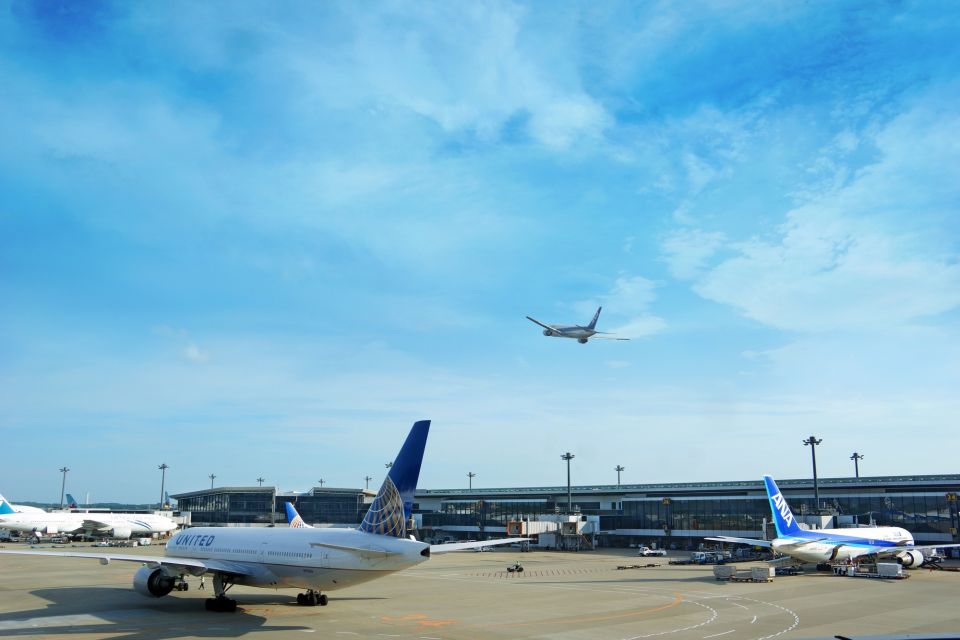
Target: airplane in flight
<point>307,558</point>
<point>834,545</point>
<point>578,333</point>
<point>115,525</point>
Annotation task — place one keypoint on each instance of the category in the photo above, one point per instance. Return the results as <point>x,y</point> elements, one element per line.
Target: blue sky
<point>261,239</point>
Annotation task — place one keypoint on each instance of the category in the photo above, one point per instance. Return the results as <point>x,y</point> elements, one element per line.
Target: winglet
<point>5,508</point>
<point>394,502</point>
<point>596,316</point>
<point>783,518</point>
<point>294,518</point>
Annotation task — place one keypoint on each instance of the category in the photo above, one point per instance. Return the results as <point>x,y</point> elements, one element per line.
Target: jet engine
<point>912,558</point>
<point>153,582</point>
<point>582,340</point>
<point>547,332</point>
<point>121,532</point>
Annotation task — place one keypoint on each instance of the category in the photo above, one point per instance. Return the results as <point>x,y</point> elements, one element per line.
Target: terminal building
<point>671,515</point>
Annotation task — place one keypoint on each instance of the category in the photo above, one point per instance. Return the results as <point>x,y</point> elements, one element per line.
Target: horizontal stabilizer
<point>462,546</point>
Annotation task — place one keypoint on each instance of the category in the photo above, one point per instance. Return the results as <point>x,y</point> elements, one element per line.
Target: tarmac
<point>471,595</point>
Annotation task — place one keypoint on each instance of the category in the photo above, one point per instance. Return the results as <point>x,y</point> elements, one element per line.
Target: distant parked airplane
<point>578,333</point>
<point>834,545</point>
<point>6,508</point>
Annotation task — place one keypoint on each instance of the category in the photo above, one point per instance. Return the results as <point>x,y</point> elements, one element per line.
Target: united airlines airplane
<point>578,333</point>
<point>308,558</point>
<point>834,545</point>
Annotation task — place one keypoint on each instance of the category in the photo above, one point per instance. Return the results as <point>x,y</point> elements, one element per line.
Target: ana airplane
<point>301,557</point>
<point>834,545</point>
<point>116,525</point>
<point>6,508</point>
<point>578,333</point>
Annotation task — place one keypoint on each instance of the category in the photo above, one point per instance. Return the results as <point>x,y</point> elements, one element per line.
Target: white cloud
<point>194,354</point>
<point>878,252</point>
<point>630,297</point>
<point>687,251</point>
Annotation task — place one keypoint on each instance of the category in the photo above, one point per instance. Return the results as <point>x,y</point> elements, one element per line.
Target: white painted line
<point>720,634</point>
<point>754,620</point>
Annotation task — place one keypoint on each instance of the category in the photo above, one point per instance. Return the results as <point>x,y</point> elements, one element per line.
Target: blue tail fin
<point>596,316</point>
<point>783,518</point>
<point>394,502</point>
<point>5,508</point>
<point>71,502</point>
<point>296,522</point>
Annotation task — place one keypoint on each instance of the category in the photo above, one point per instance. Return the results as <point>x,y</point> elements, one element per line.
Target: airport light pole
<point>63,485</point>
<point>260,481</point>
<point>212,478</point>
<point>812,442</point>
<point>568,457</point>
<point>856,457</point>
<point>471,475</point>
<point>321,481</point>
<point>163,480</point>
<point>367,479</point>
<point>388,465</point>
<point>619,468</point>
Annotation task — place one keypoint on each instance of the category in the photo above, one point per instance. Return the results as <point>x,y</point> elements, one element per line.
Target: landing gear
<point>181,585</point>
<point>312,598</point>
<point>221,602</point>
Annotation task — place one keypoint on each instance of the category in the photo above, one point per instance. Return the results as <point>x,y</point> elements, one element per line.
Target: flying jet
<point>834,545</point>
<point>578,333</point>
<point>308,558</point>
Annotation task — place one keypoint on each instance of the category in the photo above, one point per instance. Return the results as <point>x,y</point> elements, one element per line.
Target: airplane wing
<point>358,551</point>
<point>750,541</point>
<point>193,566</point>
<point>460,546</point>
<point>92,524</point>
<point>545,326</point>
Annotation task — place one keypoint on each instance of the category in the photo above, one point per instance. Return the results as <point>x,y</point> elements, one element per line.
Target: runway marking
<point>716,635</point>
<point>706,622</point>
<point>737,605</point>
<point>677,600</point>
<point>754,620</point>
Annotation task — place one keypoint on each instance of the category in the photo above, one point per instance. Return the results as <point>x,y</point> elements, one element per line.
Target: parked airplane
<point>116,525</point>
<point>580,334</point>
<point>303,557</point>
<point>72,502</point>
<point>294,518</point>
<point>834,545</point>
<point>6,508</point>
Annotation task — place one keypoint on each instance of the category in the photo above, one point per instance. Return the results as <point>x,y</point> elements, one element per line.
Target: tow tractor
<point>515,568</point>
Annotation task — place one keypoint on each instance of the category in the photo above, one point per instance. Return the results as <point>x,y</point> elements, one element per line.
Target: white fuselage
<point>843,544</point>
<point>575,332</point>
<point>307,558</point>
<point>68,522</point>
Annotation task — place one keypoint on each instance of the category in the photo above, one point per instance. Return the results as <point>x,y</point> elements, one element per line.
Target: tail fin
<point>783,518</point>
<point>71,502</point>
<point>593,323</point>
<point>5,508</point>
<point>394,502</point>
<point>296,522</point>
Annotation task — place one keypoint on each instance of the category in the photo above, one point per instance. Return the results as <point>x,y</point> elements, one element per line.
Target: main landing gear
<point>221,602</point>
<point>312,598</point>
